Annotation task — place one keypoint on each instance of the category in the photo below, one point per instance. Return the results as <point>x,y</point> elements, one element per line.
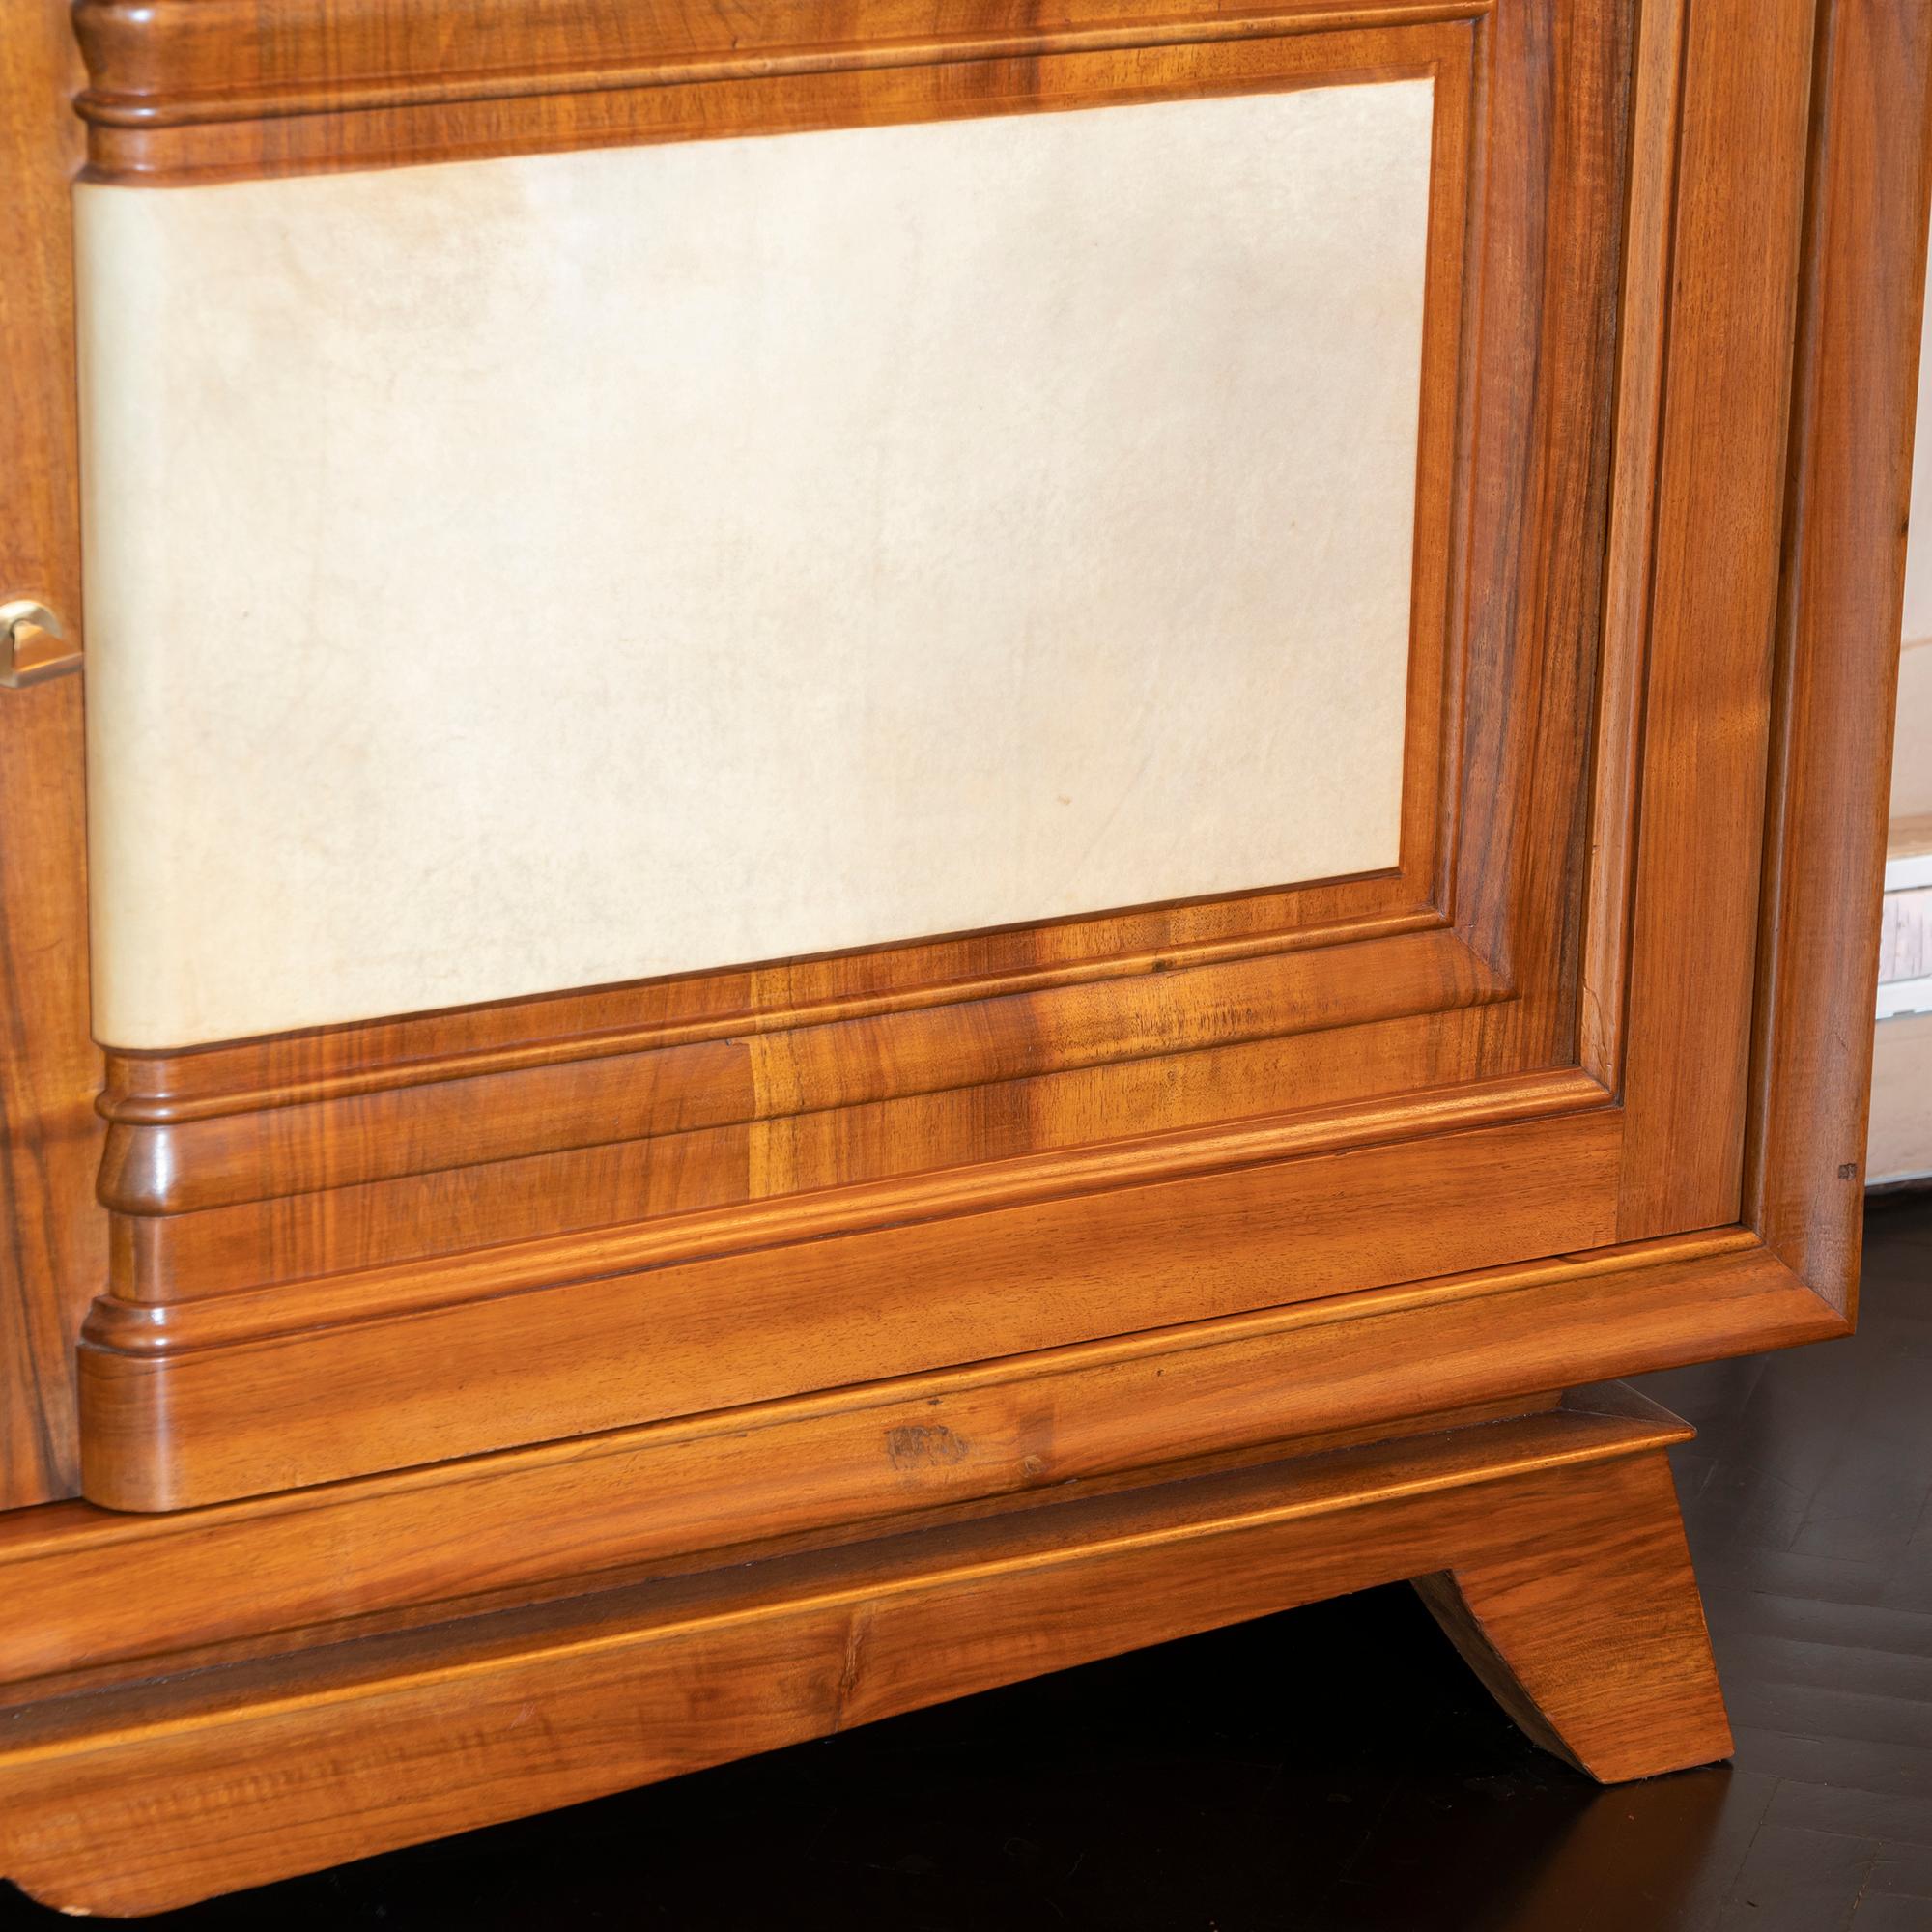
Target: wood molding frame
<point>276,1204</point>
<point>199,90</point>
<point>1700,804</point>
<point>196,1403</point>
<point>1552,1542</point>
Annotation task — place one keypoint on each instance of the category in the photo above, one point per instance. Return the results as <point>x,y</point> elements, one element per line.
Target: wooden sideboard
<point>926,837</point>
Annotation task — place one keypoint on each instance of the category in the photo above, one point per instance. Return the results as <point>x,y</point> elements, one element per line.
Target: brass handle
<point>34,644</point>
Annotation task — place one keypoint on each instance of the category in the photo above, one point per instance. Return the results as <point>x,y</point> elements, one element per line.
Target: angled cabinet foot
<point>1591,1634</point>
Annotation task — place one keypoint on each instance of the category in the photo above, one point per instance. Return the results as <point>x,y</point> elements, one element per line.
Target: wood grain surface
<point>248,1392</point>
<point>1714,569</point>
<point>152,1797</point>
<point>553,1517</point>
<point>313,1226</point>
<point>1849,497</point>
<point>676,1370</point>
<point>53,1240</point>
<point>238,87</point>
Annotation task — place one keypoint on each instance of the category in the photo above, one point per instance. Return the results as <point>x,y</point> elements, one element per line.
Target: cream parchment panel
<point>525,574</point>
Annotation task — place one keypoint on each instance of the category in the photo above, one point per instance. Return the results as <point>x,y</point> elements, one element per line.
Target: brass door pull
<point>36,643</point>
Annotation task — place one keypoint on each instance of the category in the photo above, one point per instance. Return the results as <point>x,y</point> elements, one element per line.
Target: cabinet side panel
<point>1844,564</point>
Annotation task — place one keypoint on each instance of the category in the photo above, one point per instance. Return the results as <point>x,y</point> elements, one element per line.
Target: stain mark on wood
<point>924,1446</point>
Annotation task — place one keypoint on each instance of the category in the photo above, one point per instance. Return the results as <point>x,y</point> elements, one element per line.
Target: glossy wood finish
<point>1596,1646</point>
<point>562,1516</point>
<point>238,88</point>
<point>53,1251</point>
<point>179,1150</point>
<point>1851,488</point>
<point>250,1392</point>
<point>1656,62</point>
<point>1714,575</point>
<point>274,1201</point>
<point>837,1267</point>
<point>140,1799</point>
<point>357,1230</point>
<point>1337,1768</point>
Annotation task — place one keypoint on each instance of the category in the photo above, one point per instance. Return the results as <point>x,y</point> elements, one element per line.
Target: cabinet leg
<point>1591,1635</point>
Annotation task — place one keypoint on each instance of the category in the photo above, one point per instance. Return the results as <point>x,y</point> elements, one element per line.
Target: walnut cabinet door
<point>1022,743</point>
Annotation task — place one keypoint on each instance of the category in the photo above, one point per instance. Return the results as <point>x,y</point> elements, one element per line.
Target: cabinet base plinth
<point>1549,1544</point>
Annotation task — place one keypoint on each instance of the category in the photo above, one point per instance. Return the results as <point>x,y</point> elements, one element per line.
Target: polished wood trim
<point>224,1153</point>
<point>240,1394</point>
<point>360,1146</point>
<point>1339,1083</point>
<point>1744,136</point>
<point>1642,343</point>
<point>227,86</point>
<point>57,1557</point>
<point>342,1062</point>
<point>708,106</point>
<point>1847,507</point>
<point>141,1799</point>
<point>88,1588</point>
<point>350,1666</point>
<point>53,1256</point>
<point>1551,180</point>
<point>785,1220</point>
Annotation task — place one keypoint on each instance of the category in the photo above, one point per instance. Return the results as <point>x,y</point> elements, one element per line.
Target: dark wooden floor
<point>1337,1767</point>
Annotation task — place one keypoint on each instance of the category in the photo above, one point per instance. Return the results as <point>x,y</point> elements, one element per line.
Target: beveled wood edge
<point>240,1161</point>
<point>66,1642</point>
<point>554,1514</point>
<point>158,75</point>
<point>297,1387</point>
<point>231,1150</point>
<point>260,1769</point>
<point>419,1286</point>
<point>1642,342</point>
<point>158,1088</point>
<point>1744,134</point>
<point>1848,501</point>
